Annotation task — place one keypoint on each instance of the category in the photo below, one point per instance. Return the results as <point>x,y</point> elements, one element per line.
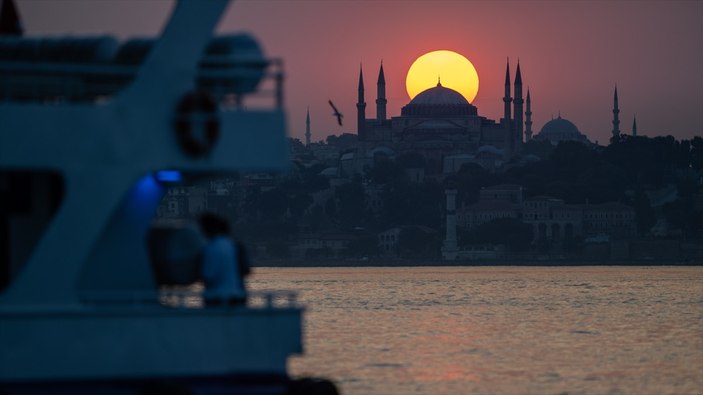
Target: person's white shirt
<point>220,270</point>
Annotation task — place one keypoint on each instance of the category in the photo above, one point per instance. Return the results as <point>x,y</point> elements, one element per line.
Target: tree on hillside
<point>410,160</point>
<point>644,213</point>
<point>298,204</point>
<point>385,171</point>
<point>418,242</point>
<point>343,141</point>
<point>696,153</point>
<point>510,232</point>
<point>682,214</point>
<point>541,149</point>
<point>571,158</point>
<point>413,204</point>
<point>351,205</point>
<point>296,145</point>
<point>649,161</point>
<point>469,180</point>
<point>366,246</point>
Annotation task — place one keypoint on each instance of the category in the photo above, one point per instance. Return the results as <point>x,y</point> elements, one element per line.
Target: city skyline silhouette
<point>572,54</point>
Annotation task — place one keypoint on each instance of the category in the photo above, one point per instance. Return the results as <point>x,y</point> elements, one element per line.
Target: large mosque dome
<point>438,100</point>
<point>439,95</point>
<point>560,129</point>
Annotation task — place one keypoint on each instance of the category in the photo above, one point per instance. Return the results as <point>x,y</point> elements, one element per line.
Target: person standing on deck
<point>223,282</point>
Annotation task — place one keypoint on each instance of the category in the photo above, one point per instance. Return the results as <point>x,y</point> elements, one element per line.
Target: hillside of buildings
<point>639,199</point>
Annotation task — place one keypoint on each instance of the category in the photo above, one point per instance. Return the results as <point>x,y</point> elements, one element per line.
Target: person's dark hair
<point>213,225</point>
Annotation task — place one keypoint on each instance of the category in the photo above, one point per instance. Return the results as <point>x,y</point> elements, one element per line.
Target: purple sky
<point>571,53</point>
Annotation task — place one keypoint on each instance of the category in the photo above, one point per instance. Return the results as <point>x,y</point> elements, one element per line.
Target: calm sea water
<point>500,330</point>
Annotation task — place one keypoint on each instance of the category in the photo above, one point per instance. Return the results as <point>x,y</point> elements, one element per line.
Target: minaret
<point>506,98</point>
<point>381,96</point>
<point>517,105</point>
<point>528,117</point>
<point>307,129</point>
<point>361,109</point>
<point>616,112</point>
<point>634,126</point>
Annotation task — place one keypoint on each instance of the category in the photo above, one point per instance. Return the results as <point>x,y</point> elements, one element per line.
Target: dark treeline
<point>623,172</point>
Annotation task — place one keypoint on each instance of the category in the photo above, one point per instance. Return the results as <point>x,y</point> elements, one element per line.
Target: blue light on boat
<point>168,176</point>
<point>144,196</point>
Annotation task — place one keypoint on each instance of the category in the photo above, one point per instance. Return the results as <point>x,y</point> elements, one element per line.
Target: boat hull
<point>113,343</point>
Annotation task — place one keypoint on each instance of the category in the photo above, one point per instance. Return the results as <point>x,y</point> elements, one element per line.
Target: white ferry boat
<point>92,133</point>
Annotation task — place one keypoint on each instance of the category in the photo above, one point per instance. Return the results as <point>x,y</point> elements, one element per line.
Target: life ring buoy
<point>197,124</point>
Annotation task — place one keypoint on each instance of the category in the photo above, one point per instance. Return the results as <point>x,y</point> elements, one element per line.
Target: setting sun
<point>454,70</point>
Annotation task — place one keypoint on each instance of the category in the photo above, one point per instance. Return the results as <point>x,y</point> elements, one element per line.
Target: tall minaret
<point>307,129</point>
<point>616,114</point>
<point>634,126</point>
<point>506,98</point>
<point>381,96</point>
<point>517,105</point>
<point>528,117</point>
<point>361,109</point>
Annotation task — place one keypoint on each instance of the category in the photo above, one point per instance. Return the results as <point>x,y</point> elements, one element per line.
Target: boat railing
<point>190,297</point>
<point>57,83</point>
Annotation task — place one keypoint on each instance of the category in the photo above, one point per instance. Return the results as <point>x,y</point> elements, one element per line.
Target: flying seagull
<point>336,113</point>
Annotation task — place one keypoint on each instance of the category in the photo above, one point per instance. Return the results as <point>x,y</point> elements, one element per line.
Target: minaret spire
<point>381,96</point>
<point>634,126</point>
<point>361,108</point>
<point>517,105</point>
<point>507,99</point>
<point>528,117</point>
<point>616,114</point>
<point>307,129</point>
<point>361,83</point>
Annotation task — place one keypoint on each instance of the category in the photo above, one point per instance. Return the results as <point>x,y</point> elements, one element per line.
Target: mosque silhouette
<point>448,131</point>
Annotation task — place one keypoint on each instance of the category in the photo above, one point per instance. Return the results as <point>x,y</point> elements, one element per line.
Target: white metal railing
<point>189,297</point>
<point>53,83</point>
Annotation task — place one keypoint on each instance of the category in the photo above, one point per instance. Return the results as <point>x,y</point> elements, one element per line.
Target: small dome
<point>560,129</point>
<point>490,149</point>
<point>439,101</point>
<point>380,150</point>
<point>329,172</point>
<point>559,126</point>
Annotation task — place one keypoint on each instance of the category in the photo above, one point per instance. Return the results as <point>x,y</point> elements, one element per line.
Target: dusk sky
<point>571,53</point>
